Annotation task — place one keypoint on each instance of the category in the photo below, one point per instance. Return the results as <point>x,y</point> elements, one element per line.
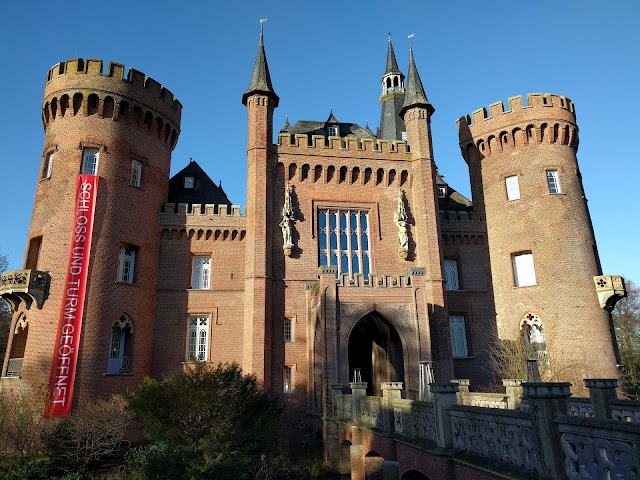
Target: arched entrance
<point>376,349</point>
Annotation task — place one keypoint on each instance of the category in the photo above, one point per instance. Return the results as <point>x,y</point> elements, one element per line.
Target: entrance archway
<point>375,348</point>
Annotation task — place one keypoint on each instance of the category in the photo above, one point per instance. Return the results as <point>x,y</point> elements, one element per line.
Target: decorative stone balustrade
<point>503,435</point>
<point>27,286</point>
<point>580,407</point>
<point>625,410</point>
<point>486,400</point>
<point>371,412</point>
<point>415,419</point>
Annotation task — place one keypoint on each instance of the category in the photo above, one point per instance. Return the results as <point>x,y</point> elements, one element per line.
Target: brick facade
<point>255,284</point>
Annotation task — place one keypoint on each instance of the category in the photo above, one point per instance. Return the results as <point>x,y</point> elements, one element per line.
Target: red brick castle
<point>353,258</point>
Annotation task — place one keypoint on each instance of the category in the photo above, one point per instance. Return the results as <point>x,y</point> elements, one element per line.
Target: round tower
<point>121,129</point>
<point>526,183</point>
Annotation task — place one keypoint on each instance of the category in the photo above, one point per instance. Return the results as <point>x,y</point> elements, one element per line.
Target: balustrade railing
<point>580,407</point>
<point>14,368</point>
<point>414,419</point>
<point>625,410</point>
<point>371,411</point>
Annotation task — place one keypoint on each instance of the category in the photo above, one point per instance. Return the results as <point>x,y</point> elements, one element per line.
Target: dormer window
<point>333,131</point>
<point>442,192</point>
<point>189,181</point>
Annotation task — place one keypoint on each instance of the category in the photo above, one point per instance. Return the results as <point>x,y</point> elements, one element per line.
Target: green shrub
<point>214,420</point>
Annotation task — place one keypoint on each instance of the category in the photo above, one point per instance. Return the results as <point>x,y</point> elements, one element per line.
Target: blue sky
<point>326,54</point>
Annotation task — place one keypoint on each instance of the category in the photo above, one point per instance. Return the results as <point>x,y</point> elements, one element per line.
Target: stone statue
<point>401,218</point>
<point>288,215</point>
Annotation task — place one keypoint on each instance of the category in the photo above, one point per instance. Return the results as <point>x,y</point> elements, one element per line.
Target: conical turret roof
<point>392,64</point>
<point>414,92</point>
<point>260,79</point>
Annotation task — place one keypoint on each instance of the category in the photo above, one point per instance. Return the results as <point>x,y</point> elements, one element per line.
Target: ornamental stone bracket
<point>610,289</point>
<point>24,286</point>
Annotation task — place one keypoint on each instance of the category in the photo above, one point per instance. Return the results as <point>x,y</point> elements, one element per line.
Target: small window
<point>287,330</point>
<point>458,330</point>
<point>513,188</point>
<point>442,192</point>
<point>524,273</point>
<point>198,339</point>
<point>404,136</point>
<point>189,181</point>
<point>136,173</point>
<point>126,263</point>
<point>201,272</point>
<point>121,346</point>
<point>287,386</point>
<point>552,181</point>
<point>333,131</point>
<point>451,274</point>
<point>90,161</point>
<point>48,166</point>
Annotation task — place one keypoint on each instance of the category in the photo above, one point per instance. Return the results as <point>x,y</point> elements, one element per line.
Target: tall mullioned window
<point>197,339</point>
<point>552,181</point>
<point>451,274</point>
<point>287,330</point>
<point>343,240</point>
<point>48,165</point>
<point>201,272</point>
<point>458,332</point>
<point>136,173</point>
<point>126,263</point>
<point>90,161</point>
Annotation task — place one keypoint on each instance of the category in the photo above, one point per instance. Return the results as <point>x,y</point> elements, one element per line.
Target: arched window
<point>121,345</point>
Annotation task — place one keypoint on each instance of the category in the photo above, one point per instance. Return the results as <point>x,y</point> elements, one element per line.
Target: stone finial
<point>610,289</point>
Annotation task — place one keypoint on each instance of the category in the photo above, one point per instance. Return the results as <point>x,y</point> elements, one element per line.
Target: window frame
<point>512,188</point>
<point>127,274</point>
<point>458,335</point>
<point>119,362</point>
<point>334,131</point>
<point>200,281</point>
<point>288,330</point>
<point>442,192</point>
<point>85,164</point>
<point>287,379</point>
<point>201,325</point>
<point>456,270</point>
<point>192,180</point>
<point>362,254</point>
<point>47,167</point>
<point>527,276</point>
<point>553,181</point>
<point>135,176</point>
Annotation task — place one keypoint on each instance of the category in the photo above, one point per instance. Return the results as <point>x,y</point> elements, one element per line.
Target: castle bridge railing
<point>567,438</point>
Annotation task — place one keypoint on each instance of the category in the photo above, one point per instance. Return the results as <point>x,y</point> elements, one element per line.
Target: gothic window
<point>458,331</point>
<point>513,188</point>
<point>524,273</point>
<point>287,330</point>
<point>552,181</point>
<point>121,346</point>
<point>48,165</point>
<point>451,274</point>
<point>198,339</point>
<point>90,161</point>
<point>287,379</point>
<point>126,263</point>
<point>343,240</point>
<point>136,173</point>
<point>201,273</point>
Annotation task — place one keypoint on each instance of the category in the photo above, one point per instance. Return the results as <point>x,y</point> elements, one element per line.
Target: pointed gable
<point>192,185</point>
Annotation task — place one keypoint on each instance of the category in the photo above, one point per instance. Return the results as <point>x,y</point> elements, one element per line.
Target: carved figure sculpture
<point>400,218</point>
<point>287,217</point>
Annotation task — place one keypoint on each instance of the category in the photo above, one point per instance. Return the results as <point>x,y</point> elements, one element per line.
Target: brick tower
<point>260,100</point>
<point>526,183</point>
<point>123,130</point>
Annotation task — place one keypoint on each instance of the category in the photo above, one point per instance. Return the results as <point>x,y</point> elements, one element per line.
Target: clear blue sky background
<point>332,54</point>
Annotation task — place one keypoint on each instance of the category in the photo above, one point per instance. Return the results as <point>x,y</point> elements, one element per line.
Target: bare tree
<point>5,313</point>
<point>626,321</point>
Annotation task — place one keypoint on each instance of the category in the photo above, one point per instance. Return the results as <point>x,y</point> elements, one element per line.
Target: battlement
<point>209,209</point>
<point>86,74</point>
<point>368,147</point>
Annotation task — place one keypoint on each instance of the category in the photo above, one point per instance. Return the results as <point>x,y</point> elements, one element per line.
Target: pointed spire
<point>392,64</point>
<point>287,126</point>
<point>332,118</point>
<point>414,92</point>
<point>260,79</point>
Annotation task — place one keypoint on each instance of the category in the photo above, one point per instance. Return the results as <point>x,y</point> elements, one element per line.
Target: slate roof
<point>454,200</point>
<point>204,189</point>
<point>392,64</point>
<point>312,127</point>
<point>260,78</point>
<point>414,92</point>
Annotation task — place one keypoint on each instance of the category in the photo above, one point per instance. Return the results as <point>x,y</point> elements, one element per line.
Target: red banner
<point>65,353</point>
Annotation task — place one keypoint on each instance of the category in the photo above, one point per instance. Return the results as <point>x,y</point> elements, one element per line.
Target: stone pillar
<point>548,400</point>
<point>444,395</point>
<point>357,462</point>
<point>513,388</point>
<point>602,391</point>
<point>334,452</point>
<point>463,383</point>
<point>358,390</point>
<point>336,389</point>
<point>390,392</point>
<point>390,470</point>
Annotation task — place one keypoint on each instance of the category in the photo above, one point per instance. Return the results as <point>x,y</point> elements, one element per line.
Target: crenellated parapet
<point>208,222</point>
<point>303,144</point>
<point>546,119</point>
<point>79,87</point>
